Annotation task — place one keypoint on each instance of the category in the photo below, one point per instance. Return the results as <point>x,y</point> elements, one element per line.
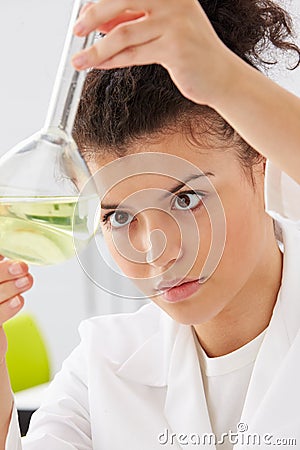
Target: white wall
<point>31,38</point>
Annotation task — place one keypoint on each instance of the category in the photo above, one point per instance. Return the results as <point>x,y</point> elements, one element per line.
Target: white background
<point>32,33</point>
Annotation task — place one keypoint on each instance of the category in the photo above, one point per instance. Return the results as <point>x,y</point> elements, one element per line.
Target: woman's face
<point>166,233</point>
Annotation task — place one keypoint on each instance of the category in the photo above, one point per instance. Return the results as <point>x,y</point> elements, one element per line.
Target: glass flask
<point>43,219</point>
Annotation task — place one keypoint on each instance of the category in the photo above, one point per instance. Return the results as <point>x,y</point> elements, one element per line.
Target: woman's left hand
<point>176,34</point>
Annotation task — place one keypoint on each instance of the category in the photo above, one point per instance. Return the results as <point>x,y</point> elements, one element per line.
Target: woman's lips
<point>181,292</point>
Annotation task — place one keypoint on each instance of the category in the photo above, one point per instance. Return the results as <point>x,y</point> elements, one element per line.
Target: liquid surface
<point>43,230</point>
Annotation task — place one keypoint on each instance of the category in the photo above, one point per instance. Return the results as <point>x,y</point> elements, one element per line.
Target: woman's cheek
<point>241,240</point>
<point>130,268</point>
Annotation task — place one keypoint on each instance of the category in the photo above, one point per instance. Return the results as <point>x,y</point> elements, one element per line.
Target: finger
<point>85,8</point>
<point>10,308</point>
<point>125,17</point>
<point>105,11</point>
<point>12,269</point>
<point>12,288</point>
<point>125,36</point>
<point>135,56</point>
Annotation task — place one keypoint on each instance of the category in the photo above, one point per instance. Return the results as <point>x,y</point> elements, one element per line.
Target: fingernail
<point>15,302</point>
<point>80,61</point>
<point>22,282</point>
<point>15,269</point>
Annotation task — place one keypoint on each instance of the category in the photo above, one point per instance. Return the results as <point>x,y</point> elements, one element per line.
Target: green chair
<point>27,356</point>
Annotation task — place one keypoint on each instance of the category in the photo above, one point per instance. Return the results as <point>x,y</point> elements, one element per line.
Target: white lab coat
<point>135,378</point>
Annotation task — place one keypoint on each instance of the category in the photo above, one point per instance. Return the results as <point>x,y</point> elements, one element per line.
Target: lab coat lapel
<point>281,333</point>
<point>148,364</point>
<point>185,407</point>
<point>169,359</point>
<point>290,290</point>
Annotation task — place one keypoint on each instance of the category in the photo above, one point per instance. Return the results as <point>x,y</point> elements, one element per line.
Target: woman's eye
<point>187,200</point>
<point>119,219</point>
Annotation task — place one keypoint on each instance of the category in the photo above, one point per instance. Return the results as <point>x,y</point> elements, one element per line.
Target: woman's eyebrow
<point>170,191</point>
<point>184,182</point>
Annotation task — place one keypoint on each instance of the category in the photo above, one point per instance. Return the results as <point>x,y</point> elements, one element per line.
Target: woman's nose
<point>160,238</point>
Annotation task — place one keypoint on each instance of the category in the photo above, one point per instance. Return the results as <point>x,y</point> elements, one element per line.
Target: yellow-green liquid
<point>40,230</point>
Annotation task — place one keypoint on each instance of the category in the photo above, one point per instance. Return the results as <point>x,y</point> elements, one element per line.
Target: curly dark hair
<point>120,106</point>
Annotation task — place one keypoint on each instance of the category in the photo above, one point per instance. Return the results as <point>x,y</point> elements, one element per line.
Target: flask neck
<point>69,82</point>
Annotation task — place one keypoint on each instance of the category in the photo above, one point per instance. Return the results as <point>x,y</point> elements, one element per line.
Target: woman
<point>179,153</point>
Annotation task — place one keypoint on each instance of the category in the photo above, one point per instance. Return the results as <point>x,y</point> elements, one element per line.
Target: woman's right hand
<point>14,280</point>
